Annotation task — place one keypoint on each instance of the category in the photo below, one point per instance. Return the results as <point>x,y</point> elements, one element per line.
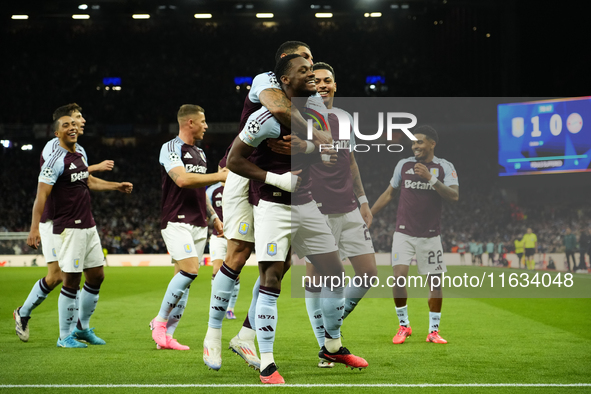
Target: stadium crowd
<point>131,223</point>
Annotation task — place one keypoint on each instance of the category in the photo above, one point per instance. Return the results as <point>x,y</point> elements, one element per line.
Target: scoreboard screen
<point>545,137</point>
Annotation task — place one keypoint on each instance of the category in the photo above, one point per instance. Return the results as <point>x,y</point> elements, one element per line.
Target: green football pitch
<point>495,344</point>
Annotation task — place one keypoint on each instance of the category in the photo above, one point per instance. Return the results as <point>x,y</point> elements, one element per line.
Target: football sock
<point>434,319</point>
<point>234,296</point>
<point>332,344</point>
<point>332,304</point>
<point>315,312</point>
<point>176,288</point>
<point>266,360</point>
<point>252,310</point>
<point>402,314</point>
<point>221,291</point>
<point>247,333</point>
<point>266,323</point>
<point>88,299</point>
<point>76,310</point>
<point>38,294</point>
<point>353,295</point>
<point>177,313</point>
<point>65,306</point>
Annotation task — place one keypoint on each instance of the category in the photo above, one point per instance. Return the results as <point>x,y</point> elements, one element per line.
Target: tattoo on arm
<point>174,176</point>
<point>210,210</point>
<point>357,185</point>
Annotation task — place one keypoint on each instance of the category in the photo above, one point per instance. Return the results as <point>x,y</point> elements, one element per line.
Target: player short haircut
<point>66,110</point>
<point>325,66</point>
<point>288,48</point>
<point>284,65</point>
<point>56,122</point>
<point>188,109</point>
<point>429,132</point>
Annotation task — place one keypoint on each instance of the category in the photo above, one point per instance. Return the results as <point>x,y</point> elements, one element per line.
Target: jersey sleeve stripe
<point>54,159</point>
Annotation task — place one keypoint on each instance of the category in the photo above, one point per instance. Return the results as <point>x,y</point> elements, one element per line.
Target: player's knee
<point>53,280</point>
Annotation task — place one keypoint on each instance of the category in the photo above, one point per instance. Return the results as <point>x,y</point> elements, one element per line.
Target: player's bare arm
<point>106,165</point>
<point>43,192</point>
<point>100,185</point>
<point>280,106</point>
<point>189,180</point>
<point>384,199</point>
<point>448,193</point>
<point>289,145</point>
<point>360,192</point>
<point>217,223</point>
<point>239,164</point>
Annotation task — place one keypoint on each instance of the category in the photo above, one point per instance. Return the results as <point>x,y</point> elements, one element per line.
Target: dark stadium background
<point>427,49</point>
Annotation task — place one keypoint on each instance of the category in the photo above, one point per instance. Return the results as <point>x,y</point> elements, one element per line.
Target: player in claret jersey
<point>65,176</point>
<point>184,213</point>
<point>334,189</point>
<point>44,286</point>
<point>238,214</point>
<point>423,182</point>
<point>287,215</point>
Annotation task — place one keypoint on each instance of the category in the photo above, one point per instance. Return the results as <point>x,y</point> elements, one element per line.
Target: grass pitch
<point>491,341</point>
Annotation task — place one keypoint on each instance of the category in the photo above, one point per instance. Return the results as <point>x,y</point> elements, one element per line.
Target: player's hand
<point>223,174</point>
<point>422,171</point>
<point>125,187</point>
<point>106,165</point>
<point>298,182</point>
<point>290,145</point>
<point>329,157</point>
<point>34,238</point>
<point>219,226</point>
<point>366,214</point>
<point>320,137</point>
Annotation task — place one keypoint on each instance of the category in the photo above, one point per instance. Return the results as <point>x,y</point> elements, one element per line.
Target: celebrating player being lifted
<point>65,176</point>
<point>423,181</point>
<point>334,189</point>
<point>183,217</point>
<point>238,214</point>
<point>287,215</point>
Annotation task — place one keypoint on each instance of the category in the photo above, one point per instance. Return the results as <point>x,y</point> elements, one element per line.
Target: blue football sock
<point>221,292</point>
<point>38,294</point>
<point>88,299</point>
<point>177,313</point>
<point>266,318</point>
<point>176,288</point>
<point>65,306</point>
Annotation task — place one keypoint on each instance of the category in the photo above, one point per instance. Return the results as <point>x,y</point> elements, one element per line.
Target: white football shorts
<point>79,249</point>
<point>47,241</point>
<point>238,212</point>
<point>184,240</point>
<point>429,252</point>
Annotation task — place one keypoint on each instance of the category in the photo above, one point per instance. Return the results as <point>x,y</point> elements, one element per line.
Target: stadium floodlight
<point>116,87</point>
<point>141,16</point>
<point>394,6</point>
<point>5,143</point>
<point>80,16</point>
<point>27,147</point>
<point>405,6</point>
<point>264,15</point>
<point>83,7</point>
<point>323,15</point>
<point>203,16</point>
<point>20,17</point>
<point>375,15</point>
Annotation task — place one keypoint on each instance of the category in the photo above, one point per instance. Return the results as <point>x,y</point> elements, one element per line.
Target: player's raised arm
<point>238,163</point>
<point>448,193</point>
<point>189,180</point>
<point>43,192</point>
<point>384,199</point>
<point>105,165</point>
<point>100,185</point>
<point>360,192</point>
